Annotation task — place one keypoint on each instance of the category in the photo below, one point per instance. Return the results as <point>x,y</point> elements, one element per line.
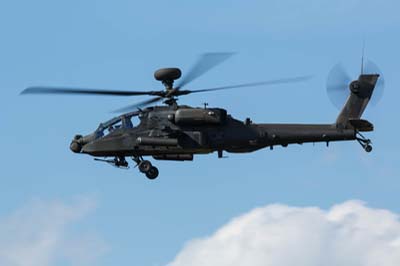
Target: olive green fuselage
<point>185,130</point>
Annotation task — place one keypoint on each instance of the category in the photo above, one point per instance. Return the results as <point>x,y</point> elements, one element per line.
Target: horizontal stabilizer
<point>361,125</point>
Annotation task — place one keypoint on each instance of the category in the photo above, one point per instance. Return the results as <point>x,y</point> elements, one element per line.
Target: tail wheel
<point>368,148</point>
<point>152,173</point>
<point>145,166</point>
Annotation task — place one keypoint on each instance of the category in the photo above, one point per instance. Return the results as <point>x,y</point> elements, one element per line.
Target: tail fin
<point>360,93</point>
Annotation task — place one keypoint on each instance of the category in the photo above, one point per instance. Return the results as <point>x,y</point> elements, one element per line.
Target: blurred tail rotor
<point>338,83</point>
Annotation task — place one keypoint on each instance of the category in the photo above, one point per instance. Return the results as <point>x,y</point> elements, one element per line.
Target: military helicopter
<point>178,132</point>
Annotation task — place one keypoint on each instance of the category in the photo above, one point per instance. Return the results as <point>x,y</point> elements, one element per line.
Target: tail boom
<point>282,134</point>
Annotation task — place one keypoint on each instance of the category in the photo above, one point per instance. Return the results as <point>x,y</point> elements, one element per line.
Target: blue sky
<point>119,44</point>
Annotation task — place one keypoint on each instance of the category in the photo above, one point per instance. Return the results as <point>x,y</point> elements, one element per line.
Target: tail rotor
<point>337,85</point>
<point>339,81</point>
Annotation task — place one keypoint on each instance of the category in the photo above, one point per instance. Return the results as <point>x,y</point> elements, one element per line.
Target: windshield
<point>124,121</point>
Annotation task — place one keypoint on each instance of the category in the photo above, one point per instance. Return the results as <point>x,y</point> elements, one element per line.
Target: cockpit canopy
<point>120,122</point>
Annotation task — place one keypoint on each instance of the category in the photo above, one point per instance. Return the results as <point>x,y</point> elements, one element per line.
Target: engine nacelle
<point>199,116</point>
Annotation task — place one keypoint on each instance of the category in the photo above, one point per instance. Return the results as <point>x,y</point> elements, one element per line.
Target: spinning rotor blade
<point>205,63</point>
<point>371,68</point>
<point>52,90</point>
<point>138,105</point>
<point>176,92</point>
<point>254,84</point>
<point>337,85</point>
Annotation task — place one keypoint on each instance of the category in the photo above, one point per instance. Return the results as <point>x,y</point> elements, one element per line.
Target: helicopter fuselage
<point>178,133</point>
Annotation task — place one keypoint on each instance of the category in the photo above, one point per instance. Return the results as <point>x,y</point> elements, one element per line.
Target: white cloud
<point>348,234</point>
<point>40,234</point>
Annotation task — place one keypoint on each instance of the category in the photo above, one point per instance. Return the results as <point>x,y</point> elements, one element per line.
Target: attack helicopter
<point>179,132</point>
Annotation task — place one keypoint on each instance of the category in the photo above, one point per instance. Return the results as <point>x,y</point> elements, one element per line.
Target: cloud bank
<point>348,234</point>
<point>40,234</point>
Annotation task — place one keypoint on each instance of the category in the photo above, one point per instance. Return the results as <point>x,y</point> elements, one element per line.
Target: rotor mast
<point>167,76</point>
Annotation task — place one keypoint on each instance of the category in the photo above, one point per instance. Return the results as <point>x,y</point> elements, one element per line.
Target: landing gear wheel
<point>152,173</point>
<point>364,142</point>
<point>368,148</point>
<point>145,166</point>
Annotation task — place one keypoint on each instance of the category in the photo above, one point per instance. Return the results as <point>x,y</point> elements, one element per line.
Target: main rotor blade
<point>254,84</point>
<point>61,90</point>
<point>205,63</point>
<point>138,105</point>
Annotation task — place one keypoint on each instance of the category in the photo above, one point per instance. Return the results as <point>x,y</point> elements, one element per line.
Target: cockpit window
<point>111,125</point>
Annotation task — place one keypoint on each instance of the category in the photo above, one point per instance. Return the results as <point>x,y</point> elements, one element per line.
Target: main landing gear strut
<point>146,167</point>
<point>364,142</point>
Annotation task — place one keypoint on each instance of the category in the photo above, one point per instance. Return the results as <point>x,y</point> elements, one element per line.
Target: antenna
<point>362,58</point>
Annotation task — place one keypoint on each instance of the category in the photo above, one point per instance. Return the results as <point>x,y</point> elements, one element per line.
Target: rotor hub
<point>355,86</point>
